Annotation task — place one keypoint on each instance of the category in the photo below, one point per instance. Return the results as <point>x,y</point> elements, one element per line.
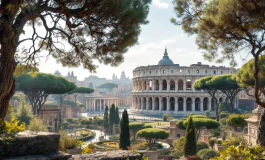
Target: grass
<point>166,124</point>
<point>112,144</point>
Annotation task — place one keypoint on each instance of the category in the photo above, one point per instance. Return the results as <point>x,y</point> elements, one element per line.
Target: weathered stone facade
<point>168,88</point>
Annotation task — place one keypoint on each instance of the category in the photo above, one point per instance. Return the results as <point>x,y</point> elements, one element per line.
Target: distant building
<point>246,101</point>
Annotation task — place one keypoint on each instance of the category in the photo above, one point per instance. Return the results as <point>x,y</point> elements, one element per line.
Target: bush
<point>206,154</point>
<point>201,145</point>
<point>167,117</point>
<point>223,115</point>
<point>207,113</point>
<point>36,124</point>
<point>67,142</point>
<point>211,142</point>
<point>178,150</point>
<point>222,121</point>
<point>72,120</point>
<point>114,137</point>
<point>216,132</point>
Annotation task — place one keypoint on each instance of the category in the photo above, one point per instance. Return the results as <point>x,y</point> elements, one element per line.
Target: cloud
<point>160,4</point>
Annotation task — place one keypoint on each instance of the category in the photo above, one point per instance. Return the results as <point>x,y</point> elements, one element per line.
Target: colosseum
<point>167,88</point>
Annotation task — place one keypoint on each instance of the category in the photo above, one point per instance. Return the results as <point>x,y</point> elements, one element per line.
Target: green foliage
<point>147,126</point>
<point>106,119</point>
<point>67,142</point>
<point>242,152</point>
<point>144,145</point>
<point>24,111</point>
<point>108,86</point>
<point>151,135</point>
<point>112,115</point>
<point>211,142</point>
<point>167,117</point>
<point>22,69</point>
<point>190,147</point>
<point>37,86</point>
<point>236,120</point>
<point>36,124</point>
<point>117,116</point>
<point>222,122</point>
<point>135,127</point>
<point>65,125</point>
<point>201,145</point>
<point>125,132</point>
<point>224,107</point>
<point>224,115</point>
<point>81,90</point>
<point>72,120</point>
<point>206,154</point>
<point>234,141</point>
<point>178,145</point>
<point>207,113</point>
<point>216,132</point>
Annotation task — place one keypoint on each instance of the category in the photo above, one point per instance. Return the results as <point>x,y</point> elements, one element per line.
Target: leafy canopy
<point>108,86</point>
<point>155,133</point>
<point>81,90</point>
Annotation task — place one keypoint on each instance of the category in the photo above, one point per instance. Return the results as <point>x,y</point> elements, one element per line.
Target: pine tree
<point>117,120</point>
<point>190,139</point>
<point>111,117</point>
<point>106,119</point>
<point>24,112</point>
<point>125,132</point>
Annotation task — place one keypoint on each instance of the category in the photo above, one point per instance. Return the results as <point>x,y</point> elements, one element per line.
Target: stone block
<point>28,143</point>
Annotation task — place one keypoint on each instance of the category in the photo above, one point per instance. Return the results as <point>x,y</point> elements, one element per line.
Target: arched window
<point>214,72</point>
<point>156,103</point>
<point>164,104</point>
<point>188,104</point>
<point>197,104</point>
<point>205,103</point>
<point>180,104</point>
<point>172,104</point>
<point>188,84</point>
<point>150,103</point>
<point>157,85</point>
<point>164,86</point>
<point>172,85</point>
<point>150,85</point>
<point>180,84</point>
<point>144,105</point>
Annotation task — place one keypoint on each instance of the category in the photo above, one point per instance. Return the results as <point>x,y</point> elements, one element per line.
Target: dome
<point>57,73</point>
<point>165,60</point>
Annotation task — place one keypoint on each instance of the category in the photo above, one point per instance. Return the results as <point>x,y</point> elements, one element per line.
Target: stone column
<point>184,85</point>
<point>176,104</point>
<point>160,103</point>
<point>193,104</point>
<point>104,104</point>
<point>142,85</point>
<point>168,103</point>
<point>153,103</point>
<point>201,106</point>
<point>176,85</point>
<point>160,85</point>
<point>184,104</point>
<point>94,105</point>
<point>147,103</point>
<point>168,85</point>
<point>99,104</point>
<point>142,103</point>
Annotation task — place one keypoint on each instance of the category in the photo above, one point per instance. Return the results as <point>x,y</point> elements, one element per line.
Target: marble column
<point>160,85</point>
<point>184,85</point>
<point>209,103</point>
<point>100,105</point>
<point>94,105</point>
<point>201,105</point>
<point>176,85</point>
<point>193,104</point>
<point>168,85</point>
<point>142,85</point>
<point>168,103</point>
<point>147,104</point>
<point>160,103</point>
<point>153,85</point>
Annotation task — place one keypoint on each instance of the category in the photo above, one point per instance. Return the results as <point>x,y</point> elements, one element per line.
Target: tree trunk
<point>8,45</point>
<point>261,130</point>
<point>216,109</point>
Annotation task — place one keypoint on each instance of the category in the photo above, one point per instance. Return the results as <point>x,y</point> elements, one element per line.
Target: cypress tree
<point>111,117</point>
<point>117,120</point>
<point>190,147</point>
<point>125,132</point>
<point>106,118</point>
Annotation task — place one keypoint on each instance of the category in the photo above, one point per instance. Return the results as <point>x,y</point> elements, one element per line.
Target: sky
<point>155,36</point>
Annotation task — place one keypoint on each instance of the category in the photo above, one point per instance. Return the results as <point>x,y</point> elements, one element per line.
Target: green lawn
<point>156,124</point>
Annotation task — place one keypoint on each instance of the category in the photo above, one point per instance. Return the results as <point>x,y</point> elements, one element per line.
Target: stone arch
<point>205,103</point>
<point>172,104</point>
<point>189,104</point>
<point>180,84</point>
<point>180,104</point>
<point>140,85</point>
<point>150,85</point>
<point>150,103</point>
<point>172,84</point>
<point>197,104</point>
<point>144,105</point>
<point>156,103</point>
<point>178,136</point>
<point>157,85</point>
<point>188,84</point>
<point>164,85</point>
<point>226,99</point>
<point>214,71</point>
<point>164,103</point>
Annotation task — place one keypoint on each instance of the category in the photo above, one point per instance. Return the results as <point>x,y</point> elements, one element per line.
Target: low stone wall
<point>110,155</point>
<point>28,142</point>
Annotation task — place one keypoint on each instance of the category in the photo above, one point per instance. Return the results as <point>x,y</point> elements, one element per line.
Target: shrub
<point>206,154</point>
<point>36,124</point>
<point>211,142</point>
<point>236,141</point>
<point>207,113</point>
<point>222,121</point>
<point>178,150</point>
<point>72,120</point>
<point>201,145</point>
<point>223,115</point>
<point>167,117</point>
<point>67,142</point>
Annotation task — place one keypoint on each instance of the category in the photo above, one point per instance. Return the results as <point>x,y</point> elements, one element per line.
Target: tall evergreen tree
<point>111,117</point>
<point>117,120</point>
<point>190,139</point>
<point>125,132</point>
<point>106,118</point>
